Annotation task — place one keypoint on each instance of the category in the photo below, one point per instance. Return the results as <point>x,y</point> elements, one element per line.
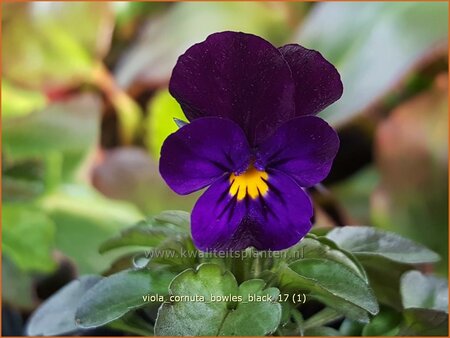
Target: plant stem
<point>298,318</point>
<point>238,268</point>
<point>321,318</point>
<point>53,170</point>
<point>257,266</point>
<point>128,111</point>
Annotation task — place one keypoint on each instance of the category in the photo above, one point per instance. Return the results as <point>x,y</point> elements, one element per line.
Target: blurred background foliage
<point>85,109</point>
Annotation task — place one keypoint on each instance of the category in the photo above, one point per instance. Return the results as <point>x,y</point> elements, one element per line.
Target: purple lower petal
<point>216,217</point>
<point>275,221</point>
<point>237,76</point>
<point>282,217</point>
<point>303,148</point>
<point>199,153</point>
<point>317,82</point>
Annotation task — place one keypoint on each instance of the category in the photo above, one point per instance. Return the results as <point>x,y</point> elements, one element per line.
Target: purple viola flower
<point>253,139</point>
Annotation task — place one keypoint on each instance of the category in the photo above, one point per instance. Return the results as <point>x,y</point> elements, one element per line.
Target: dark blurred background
<point>85,109</point>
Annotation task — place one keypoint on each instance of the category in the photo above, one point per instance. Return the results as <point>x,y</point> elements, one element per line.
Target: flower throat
<point>252,182</point>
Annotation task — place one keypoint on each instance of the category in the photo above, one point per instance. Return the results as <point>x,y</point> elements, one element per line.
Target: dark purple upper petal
<point>317,82</point>
<point>237,76</point>
<point>199,153</point>
<point>275,221</point>
<point>303,148</point>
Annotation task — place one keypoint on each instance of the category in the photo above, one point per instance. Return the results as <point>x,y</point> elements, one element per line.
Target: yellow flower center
<point>252,183</point>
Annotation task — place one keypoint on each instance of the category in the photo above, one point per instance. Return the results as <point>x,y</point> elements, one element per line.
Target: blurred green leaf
<point>350,328</point>
<point>118,294</point>
<point>17,286</point>
<point>355,192</point>
<point>18,101</point>
<point>28,237</point>
<point>128,13</point>
<point>84,219</point>
<point>20,190</point>
<point>384,278</point>
<point>69,126</point>
<point>129,115</point>
<point>424,322</point>
<point>331,283</point>
<point>412,158</point>
<point>164,39</point>
<point>421,291</point>
<point>54,45</point>
<point>385,323</point>
<point>56,316</point>
<point>373,45</point>
<point>369,241</point>
<point>162,110</point>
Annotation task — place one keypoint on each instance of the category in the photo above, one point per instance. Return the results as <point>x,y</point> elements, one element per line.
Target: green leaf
<point>264,315</point>
<point>369,241</point>
<point>118,294</point>
<point>228,316</point>
<point>28,237</point>
<point>181,219</point>
<point>20,190</point>
<point>22,180</point>
<point>151,232</point>
<point>294,327</point>
<point>17,286</point>
<point>331,283</point>
<point>124,262</point>
<point>424,322</point>
<point>422,291</point>
<point>323,317</point>
<point>83,220</point>
<point>128,13</point>
<point>69,127</point>
<point>151,59</point>
<point>177,253</point>
<point>20,101</point>
<point>322,247</point>
<point>142,234</point>
<point>162,111</point>
<point>385,323</point>
<point>384,278</point>
<point>354,193</point>
<point>56,316</point>
<point>194,318</point>
<point>354,35</point>
<point>344,307</point>
<point>133,324</point>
